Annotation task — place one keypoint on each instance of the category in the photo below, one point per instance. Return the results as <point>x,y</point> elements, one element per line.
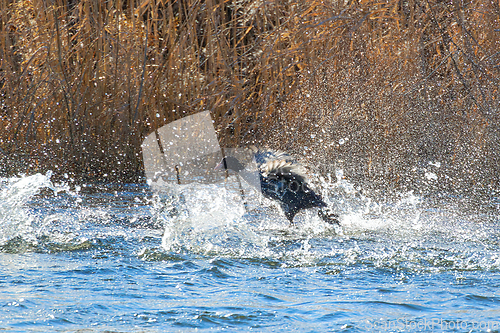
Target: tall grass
<point>406,82</point>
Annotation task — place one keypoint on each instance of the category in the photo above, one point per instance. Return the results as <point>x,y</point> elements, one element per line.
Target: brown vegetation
<point>377,88</point>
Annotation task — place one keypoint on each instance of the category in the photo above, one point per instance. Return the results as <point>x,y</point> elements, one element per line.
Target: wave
<point>15,192</point>
<point>37,215</point>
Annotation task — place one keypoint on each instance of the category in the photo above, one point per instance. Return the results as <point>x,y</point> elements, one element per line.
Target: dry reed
<point>405,82</point>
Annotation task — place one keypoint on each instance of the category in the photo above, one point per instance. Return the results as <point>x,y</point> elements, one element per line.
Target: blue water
<point>123,258</point>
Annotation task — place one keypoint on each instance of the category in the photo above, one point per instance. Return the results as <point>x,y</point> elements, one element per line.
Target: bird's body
<point>282,179</point>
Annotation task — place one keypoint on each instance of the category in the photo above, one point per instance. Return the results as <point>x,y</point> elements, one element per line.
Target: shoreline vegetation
<point>395,93</point>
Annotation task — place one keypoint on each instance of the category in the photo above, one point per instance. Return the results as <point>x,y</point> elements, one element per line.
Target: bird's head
<point>230,163</point>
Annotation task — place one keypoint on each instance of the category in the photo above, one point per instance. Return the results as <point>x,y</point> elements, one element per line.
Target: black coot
<point>282,179</point>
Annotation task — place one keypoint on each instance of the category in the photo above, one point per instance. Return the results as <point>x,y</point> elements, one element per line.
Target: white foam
<point>15,192</point>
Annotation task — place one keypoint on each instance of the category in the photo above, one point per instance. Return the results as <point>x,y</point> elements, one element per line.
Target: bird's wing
<point>265,156</point>
<point>279,169</point>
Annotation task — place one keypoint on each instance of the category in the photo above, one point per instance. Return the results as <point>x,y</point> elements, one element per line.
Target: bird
<point>280,178</point>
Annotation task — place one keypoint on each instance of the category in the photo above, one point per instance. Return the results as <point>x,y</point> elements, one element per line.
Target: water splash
<point>15,218</point>
<point>403,232</point>
<point>213,220</point>
<point>37,215</point>
<point>209,219</point>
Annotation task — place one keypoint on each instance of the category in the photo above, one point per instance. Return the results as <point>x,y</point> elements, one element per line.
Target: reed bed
<point>380,89</point>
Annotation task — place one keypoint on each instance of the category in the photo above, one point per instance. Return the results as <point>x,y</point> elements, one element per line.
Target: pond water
<point>123,258</point>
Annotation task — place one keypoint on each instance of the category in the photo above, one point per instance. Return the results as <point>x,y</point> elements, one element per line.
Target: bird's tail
<point>328,216</point>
